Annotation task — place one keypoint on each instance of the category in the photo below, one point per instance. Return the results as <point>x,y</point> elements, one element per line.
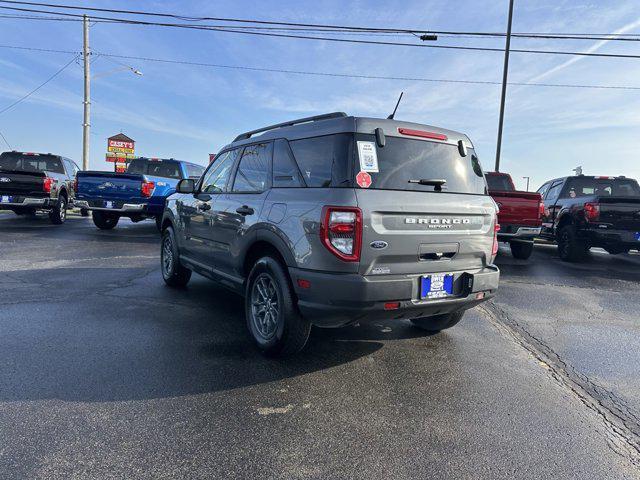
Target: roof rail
<point>326,116</point>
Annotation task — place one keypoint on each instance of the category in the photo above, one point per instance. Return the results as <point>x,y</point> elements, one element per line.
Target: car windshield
<point>499,183</point>
<point>602,187</point>
<point>408,164</point>
<point>21,162</point>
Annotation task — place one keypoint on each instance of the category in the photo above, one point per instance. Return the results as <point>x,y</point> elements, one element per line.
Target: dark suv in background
<point>585,211</point>
<point>37,181</point>
<point>332,220</point>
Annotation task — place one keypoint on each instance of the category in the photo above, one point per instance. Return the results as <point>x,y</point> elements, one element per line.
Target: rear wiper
<point>437,183</point>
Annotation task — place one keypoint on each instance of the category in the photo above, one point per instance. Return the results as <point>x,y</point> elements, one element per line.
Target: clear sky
<point>186,111</point>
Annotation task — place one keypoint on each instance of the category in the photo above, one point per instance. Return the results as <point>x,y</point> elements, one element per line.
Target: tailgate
<point>518,208</point>
<point>424,232</point>
<point>109,186</point>
<point>22,183</point>
<point>623,213</point>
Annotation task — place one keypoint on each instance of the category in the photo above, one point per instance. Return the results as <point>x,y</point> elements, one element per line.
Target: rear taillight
<point>540,210</point>
<point>147,188</point>
<point>494,249</point>
<point>591,212</point>
<point>47,184</point>
<point>341,232</point>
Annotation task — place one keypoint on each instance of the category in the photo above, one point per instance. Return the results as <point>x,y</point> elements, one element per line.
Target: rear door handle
<point>204,207</point>
<point>245,210</point>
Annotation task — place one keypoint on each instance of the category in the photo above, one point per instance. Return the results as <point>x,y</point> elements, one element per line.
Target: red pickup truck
<point>520,214</point>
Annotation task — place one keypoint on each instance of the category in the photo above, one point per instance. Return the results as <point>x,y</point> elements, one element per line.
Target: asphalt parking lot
<point>106,373</point>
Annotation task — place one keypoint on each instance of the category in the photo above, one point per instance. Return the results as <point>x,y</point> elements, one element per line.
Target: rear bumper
<point>29,202</point>
<point>334,300</point>
<point>124,209</point>
<point>613,238</point>
<point>517,232</point>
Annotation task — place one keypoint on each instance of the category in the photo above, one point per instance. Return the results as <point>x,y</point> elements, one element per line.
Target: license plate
<point>6,199</point>
<point>436,286</point>
<point>638,236</point>
<point>108,204</point>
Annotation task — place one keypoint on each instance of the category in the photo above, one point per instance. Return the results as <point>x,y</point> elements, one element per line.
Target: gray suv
<point>334,219</point>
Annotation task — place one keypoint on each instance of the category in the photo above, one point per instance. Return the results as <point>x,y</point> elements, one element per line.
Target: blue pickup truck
<point>137,194</point>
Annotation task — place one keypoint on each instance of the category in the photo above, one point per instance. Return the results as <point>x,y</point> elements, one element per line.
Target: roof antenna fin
<point>390,117</point>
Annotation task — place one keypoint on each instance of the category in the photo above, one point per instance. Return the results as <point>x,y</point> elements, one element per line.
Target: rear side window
<point>285,170</point>
<point>253,170</point>
<point>554,191</point>
<point>402,162</point>
<point>325,161</point>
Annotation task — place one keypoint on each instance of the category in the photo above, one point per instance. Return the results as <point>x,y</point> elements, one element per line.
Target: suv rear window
<point>403,159</point>
<point>31,163</point>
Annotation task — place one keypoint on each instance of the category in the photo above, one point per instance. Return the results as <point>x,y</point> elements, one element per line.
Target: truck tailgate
<point>622,213</point>
<point>109,186</point>
<point>21,183</point>
<point>518,208</point>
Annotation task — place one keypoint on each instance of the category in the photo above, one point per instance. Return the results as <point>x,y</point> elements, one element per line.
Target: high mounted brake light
<point>422,134</point>
<point>341,232</point>
<point>147,188</point>
<point>591,212</point>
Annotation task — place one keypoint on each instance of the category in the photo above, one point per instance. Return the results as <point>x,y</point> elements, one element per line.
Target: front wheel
<point>521,250</point>
<point>273,318</point>
<point>58,214</point>
<point>174,273</point>
<point>104,220</point>
<point>438,322</point>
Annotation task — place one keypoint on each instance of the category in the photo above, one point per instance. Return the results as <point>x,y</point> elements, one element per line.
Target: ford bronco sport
<point>332,220</point>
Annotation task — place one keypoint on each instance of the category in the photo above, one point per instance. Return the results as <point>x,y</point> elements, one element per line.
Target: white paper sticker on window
<point>368,157</point>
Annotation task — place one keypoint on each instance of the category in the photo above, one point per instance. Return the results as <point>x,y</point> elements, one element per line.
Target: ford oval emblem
<point>378,244</point>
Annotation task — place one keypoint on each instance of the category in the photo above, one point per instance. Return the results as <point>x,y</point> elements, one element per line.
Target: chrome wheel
<point>167,256</point>
<point>63,210</point>
<point>265,306</point>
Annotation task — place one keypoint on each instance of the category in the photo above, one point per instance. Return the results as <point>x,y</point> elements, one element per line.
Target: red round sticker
<point>363,179</point>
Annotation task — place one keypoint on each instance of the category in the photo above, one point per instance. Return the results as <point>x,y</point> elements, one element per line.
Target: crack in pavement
<point>621,424</point>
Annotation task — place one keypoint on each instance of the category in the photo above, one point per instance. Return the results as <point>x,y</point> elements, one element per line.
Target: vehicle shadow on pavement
<point>546,266</point>
<point>101,342</point>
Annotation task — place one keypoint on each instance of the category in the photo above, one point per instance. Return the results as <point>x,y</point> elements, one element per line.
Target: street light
<point>527,182</point>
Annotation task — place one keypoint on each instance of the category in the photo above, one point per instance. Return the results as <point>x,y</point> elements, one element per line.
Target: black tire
<point>58,214</point>
<point>570,248</point>
<point>104,220</point>
<point>616,250</point>
<point>159,222</point>
<point>285,332</point>
<point>174,273</point>
<point>84,212</point>
<point>438,322</point>
<point>521,250</point>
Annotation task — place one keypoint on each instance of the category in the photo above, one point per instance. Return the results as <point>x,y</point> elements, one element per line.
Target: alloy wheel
<point>265,306</point>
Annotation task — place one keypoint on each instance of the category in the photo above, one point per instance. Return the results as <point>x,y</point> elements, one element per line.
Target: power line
<point>39,86</point>
<point>324,74</point>
<point>326,27</point>
<point>343,40</point>
<point>5,140</point>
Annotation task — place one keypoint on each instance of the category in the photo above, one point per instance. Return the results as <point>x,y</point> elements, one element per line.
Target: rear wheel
<point>58,214</point>
<point>521,250</point>
<point>174,273</point>
<point>438,322</point>
<point>105,220</point>
<point>570,248</point>
<point>273,318</point>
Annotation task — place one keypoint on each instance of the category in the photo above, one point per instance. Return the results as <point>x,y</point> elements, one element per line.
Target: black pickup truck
<point>37,181</point>
<point>584,211</point>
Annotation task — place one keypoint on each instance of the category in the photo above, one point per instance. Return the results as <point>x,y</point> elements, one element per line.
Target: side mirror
<point>186,185</point>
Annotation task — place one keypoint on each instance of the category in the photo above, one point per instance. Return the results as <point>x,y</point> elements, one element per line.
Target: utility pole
<point>86,125</point>
<point>504,85</point>
<point>527,182</point>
